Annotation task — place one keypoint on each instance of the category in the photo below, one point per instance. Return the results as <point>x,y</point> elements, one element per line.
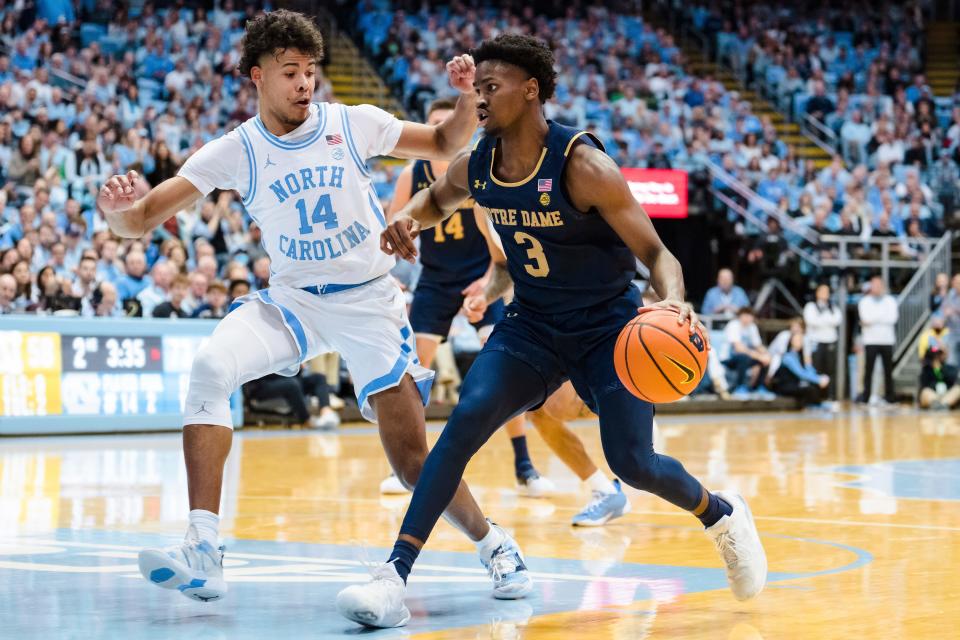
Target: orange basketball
<point>659,360</point>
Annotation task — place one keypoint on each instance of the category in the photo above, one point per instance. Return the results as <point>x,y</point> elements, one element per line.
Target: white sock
<point>600,482</point>
<point>206,524</point>
<point>489,543</point>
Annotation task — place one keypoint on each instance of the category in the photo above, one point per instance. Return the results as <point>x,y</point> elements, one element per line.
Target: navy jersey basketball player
<point>570,228</point>
<point>455,261</point>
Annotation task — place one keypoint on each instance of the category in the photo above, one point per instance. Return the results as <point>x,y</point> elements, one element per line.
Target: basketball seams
<point>636,388</point>
<point>655,363</point>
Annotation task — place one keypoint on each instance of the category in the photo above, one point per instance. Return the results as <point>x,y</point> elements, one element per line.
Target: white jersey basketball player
<point>300,168</point>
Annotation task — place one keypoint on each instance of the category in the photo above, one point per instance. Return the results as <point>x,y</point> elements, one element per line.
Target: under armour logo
<point>202,409</point>
<point>479,185</point>
<point>269,162</point>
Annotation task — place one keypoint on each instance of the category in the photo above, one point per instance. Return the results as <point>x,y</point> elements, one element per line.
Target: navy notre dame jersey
<point>454,252</point>
<point>560,259</point>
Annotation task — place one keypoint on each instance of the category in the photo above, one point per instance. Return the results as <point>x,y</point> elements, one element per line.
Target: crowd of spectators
<point>92,90</point>
<point>858,70</point>
<point>629,83</point>
<point>108,90</point>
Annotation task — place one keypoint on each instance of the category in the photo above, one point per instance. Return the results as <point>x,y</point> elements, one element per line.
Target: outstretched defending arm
<point>427,208</point>
<point>130,217</point>
<point>444,140</point>
<point>599,185</point>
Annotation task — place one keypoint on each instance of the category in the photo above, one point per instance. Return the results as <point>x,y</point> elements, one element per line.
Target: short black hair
<point>530,54</point>
<point>238,283</point>
<point>278,31</point>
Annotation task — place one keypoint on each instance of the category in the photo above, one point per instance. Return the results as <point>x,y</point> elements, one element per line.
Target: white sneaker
<point>392,486</point>
<point>325,421</point>
<point>194,568</point>
<point>377,603</point>
<point>505,566</point>
<point>739,545</point>
<point>533,485</point>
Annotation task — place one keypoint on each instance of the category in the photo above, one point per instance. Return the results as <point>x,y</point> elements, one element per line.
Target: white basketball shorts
<point>367,325</point>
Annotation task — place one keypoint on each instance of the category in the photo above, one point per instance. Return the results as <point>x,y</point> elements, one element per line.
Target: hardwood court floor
<point>858,512</point>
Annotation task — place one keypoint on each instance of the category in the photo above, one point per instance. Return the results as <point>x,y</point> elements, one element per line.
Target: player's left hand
<point>475,288</point>
<point>684,310</point>
<point>461,71</point>
<point>474,307</point>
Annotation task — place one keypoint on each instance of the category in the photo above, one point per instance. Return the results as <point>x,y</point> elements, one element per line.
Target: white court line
<point>841,523</point>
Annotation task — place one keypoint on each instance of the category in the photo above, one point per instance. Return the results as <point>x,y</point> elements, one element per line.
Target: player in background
<point>300,169</point>
<point>571,230</point>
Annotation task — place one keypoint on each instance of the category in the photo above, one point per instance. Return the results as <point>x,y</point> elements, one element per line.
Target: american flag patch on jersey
<point>334,139</point>
<point>545,184</point>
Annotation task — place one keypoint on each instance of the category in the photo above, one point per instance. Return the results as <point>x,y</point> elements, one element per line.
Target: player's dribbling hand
<point>117,194</point>
<point>397,238</point>
<point>461,71</point>
<point>476,287</point>
<point>474,307</point>
<point>684,310</point>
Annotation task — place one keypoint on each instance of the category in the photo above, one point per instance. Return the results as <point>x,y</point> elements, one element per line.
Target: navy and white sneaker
<point>603,508</point>
<point>532,485</point>
<point>194,568</point>
<point>505,566</point>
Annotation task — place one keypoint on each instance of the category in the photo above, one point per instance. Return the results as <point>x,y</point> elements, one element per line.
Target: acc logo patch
<point>697,340</point>
<point>544,199</point>
<point>337,154</point>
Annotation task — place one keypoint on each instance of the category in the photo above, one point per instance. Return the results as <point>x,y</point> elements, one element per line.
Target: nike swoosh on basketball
<point>685,369</point>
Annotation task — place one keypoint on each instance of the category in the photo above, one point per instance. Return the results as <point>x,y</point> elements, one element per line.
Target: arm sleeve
<point>792,362</point>
<point>740,298</point>
<point>709,303</point>
<point>216,165</point>
<point>810,315</point>
<point>375,132</point>
<point>894,315</point>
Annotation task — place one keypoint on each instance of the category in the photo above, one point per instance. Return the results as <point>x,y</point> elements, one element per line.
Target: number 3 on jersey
<point>539,268</point>
<point>323,213</point>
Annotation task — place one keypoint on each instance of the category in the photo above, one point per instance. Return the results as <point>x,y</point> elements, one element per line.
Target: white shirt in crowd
<point>878,319</point>
<point>734,332</point>
<point>823,322</point>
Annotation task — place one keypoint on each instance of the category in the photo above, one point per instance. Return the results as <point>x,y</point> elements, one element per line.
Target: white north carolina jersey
<point>309,191</point>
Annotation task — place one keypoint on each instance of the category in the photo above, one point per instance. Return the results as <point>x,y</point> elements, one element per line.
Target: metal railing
<point>755,201</point>
<point>821,135</point>
<point>894,253</point>
<point>755,220</point>
<point>914,301</point>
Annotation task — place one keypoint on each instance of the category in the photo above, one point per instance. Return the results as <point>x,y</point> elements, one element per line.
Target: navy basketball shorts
<point>575,345</point>
<point>436,305</point>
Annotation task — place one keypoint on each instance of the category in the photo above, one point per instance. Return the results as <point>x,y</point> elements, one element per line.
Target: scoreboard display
<point>70,375</point>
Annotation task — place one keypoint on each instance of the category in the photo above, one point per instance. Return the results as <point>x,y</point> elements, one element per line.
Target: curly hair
<point>530,54</point>
<point>273,32</point>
